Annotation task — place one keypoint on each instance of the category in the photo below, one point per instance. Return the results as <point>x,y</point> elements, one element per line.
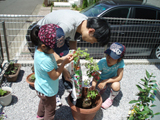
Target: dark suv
<point>133,24</point>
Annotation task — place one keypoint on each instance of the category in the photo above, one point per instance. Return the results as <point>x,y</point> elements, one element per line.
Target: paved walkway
<point>25,101</point>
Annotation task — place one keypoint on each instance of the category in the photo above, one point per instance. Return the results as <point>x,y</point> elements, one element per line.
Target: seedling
<point>92,94</point>
<point>32,78</point>
<point>2,92</point>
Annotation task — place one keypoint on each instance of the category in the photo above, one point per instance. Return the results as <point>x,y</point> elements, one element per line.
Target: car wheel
<point>156,53</point>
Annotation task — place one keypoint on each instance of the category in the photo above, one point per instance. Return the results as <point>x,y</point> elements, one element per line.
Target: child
<point>48,37</point>
<point>111,68</point>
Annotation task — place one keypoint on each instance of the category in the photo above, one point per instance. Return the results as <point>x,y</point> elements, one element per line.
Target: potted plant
<point>5,96</point>
<point>12,72</point>
<point>89,100</point>
<point>31,79</point>
<point>141,110</point>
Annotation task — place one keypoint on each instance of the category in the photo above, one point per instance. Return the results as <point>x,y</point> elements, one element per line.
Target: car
<point>134,24</point>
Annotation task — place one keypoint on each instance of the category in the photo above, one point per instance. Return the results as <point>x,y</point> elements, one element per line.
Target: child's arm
<point>111,80</point>
<point>94,83</point>
<point>55,73</point>
<point>59,59</point>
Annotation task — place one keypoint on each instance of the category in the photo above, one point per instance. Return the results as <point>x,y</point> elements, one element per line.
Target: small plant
<point>32,78</point>
<point>74,5</point>
<point>11,69</point>
<point>2,92</point>
<point>92,94</point>
<point>141,110</point>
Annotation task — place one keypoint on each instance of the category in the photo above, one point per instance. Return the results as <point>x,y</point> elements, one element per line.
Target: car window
<point>119,12</point>
<point>145,13</point>
<point>94,10</point>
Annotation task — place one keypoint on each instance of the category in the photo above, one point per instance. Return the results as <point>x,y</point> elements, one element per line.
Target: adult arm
<point>73,45</point>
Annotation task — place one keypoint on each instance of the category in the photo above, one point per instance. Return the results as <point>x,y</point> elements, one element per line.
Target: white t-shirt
<point>68,20</point>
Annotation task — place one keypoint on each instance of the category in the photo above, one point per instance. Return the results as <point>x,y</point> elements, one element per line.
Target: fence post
<point>1,53</point>
<point>5,39</point>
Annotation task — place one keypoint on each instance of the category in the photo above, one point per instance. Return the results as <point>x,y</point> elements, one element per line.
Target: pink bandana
<point>51,35</point>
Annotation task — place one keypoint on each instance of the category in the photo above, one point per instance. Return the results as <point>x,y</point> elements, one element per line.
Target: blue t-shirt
<point>44,63</point>
<point>109,72</point>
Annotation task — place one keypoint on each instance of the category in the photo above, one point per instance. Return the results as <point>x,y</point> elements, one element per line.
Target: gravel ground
<point>25,101</point>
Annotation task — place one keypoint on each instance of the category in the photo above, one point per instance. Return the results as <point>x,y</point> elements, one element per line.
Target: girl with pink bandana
<point>47,72</point>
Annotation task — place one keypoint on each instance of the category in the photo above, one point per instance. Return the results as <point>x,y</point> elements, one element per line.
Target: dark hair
<point>35,39</point>
<point>102,29</point>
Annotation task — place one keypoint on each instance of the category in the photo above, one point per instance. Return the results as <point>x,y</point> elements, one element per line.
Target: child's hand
<point>101,85</point>
<point>68,58</point>
<point>92,88</point>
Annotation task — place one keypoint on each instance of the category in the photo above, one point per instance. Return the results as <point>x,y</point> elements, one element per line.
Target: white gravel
<point>25,101</point>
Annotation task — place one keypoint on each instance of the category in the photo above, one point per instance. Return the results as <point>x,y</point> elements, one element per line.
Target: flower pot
<point>6,100</point>
<point>13,78</point>
<point>27,79</point>
<point>84,114</point>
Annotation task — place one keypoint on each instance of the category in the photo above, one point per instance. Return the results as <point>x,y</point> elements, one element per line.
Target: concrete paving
<point>25,101</point>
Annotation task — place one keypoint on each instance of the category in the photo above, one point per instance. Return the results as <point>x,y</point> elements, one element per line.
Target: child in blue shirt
<point>47,38</point>
<point>111,67</point>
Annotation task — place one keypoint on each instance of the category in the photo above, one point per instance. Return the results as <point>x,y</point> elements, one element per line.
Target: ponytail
<point>34,35</point>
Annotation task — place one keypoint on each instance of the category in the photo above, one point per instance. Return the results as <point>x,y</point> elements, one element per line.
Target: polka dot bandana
<point>51,35</point>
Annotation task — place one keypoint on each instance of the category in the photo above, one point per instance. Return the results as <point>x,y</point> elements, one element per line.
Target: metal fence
<point>13,29</point>
<point>140,37</point>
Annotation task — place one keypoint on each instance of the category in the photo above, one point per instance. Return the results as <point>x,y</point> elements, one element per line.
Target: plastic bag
<point>74,68</point>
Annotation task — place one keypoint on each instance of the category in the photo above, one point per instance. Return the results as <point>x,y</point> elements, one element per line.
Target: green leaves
<point>92,94</point>
<point>133,101</point>
<point>33,77</point>
<point>91,64</point>
<point>147,74</point>
<point>140,89</point>
<point>142,106</point>
<point>2,92</point>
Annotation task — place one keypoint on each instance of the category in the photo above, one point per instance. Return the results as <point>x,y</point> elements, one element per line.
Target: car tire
<point>156,52</point>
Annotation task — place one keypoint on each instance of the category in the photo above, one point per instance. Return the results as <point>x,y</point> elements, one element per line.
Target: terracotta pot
<point>6,100</point>
<point>31,83</point>
<point>84,114</point>
<point>13,78</point>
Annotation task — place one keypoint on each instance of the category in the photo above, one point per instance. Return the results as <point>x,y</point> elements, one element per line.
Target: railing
<point>13,29</point>
<point>140,38</point>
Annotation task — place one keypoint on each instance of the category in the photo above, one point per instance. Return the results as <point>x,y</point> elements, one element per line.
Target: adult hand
<point>66,75</point>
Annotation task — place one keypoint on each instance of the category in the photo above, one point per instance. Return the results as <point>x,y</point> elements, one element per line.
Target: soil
<point>12,69</point>
<point>80,100</point>
<point>30,80</point>
<point>8,92</point>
